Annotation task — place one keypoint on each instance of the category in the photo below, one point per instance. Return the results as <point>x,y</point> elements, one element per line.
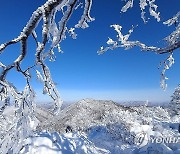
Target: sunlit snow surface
<point>46,143</point>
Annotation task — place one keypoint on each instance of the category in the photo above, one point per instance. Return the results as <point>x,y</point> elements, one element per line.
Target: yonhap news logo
<point>143,138</point>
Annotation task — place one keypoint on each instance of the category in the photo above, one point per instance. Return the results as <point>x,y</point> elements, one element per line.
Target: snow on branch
<point>143,4</point>
<point>122,41</point>
<point>173,20</point>
<point>53,33</point>
<point>173,42</point>
<point>86,15</point>
<point>128,5</point>
<point>50,32</point>
<point>166,64</point>
<point>173,38</point>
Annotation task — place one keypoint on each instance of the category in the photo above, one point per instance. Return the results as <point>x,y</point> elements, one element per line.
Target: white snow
<point>68,143</point>
<point>102,127</point>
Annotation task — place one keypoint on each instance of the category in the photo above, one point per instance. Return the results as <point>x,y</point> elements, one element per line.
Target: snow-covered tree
<point>175,102</point>
<point>176,95</point>
<point>54,31</point>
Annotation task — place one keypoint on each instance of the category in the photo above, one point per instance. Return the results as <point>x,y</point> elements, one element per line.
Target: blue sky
<point>120,75</point>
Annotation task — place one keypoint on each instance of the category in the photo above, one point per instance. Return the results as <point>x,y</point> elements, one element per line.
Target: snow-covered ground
<point>92,126</point>
<point>53,143</point>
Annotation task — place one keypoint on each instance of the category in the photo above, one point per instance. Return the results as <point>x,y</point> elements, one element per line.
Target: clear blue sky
<point>80,73</point>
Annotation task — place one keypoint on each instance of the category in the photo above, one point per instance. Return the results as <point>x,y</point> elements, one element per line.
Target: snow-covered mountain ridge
<point>97,126</point>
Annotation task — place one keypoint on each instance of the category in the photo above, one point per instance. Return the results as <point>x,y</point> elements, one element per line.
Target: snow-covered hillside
<point>93,126</point>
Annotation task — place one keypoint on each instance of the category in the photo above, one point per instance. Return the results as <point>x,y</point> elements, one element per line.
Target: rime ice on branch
<point>53,31</point>
<point>143,4</point>
<point>122,41</point>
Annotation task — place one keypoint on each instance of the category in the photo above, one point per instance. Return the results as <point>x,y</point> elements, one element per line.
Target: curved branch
<point>169,49</point>
<point>24,100</point>
<point>14,41</point>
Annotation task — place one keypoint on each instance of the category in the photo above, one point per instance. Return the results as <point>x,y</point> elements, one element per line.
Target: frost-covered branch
<point>143,4</point>
<point>50,31</point>
<point>166,64</point>
<point>53,33</point>
<point>122,41</point>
